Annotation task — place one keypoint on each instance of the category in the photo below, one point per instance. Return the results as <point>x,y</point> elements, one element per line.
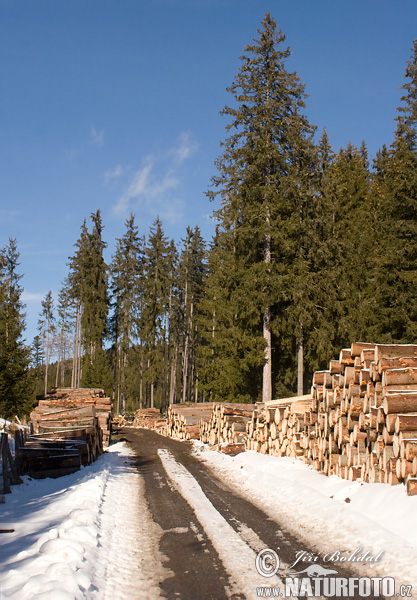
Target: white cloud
<point>152,186</point>
<point>185,148</point>
<point>113,173</point>
<point>32,296</point>
<point>96,137</point>
<point>137,189</point>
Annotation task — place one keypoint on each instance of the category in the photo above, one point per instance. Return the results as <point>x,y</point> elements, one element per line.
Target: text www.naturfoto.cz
<point>268,592</point>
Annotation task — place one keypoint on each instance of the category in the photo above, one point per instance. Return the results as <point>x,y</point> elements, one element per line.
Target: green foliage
<point>265,185</point>
<point>88,286</point>
<point>15,380</point>
<point>395,201</point>
<point>127,300</point>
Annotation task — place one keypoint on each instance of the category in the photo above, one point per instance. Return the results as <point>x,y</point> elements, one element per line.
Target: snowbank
<point>328,513</point>
<point>75,535</point>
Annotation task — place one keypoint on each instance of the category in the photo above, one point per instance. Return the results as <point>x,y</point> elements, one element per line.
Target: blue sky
<point>115,105</point>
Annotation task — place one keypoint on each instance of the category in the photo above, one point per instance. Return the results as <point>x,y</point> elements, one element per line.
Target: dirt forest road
<point>210,536</point>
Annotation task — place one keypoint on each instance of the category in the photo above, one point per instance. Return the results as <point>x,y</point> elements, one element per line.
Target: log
<point>410,450</point>
<point>412,486</point>
<point>396,363</point>
<point>232,449</point>
<point>322,378</point>
<point>400,403</point>
<point>406,422</point>
<point>358,347</point>
<point>335,367</point>
<point>403,376</point>
<point>395,351</point>
<point>345,357</point>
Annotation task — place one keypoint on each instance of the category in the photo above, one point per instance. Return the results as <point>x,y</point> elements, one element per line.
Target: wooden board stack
<point>363,418</point>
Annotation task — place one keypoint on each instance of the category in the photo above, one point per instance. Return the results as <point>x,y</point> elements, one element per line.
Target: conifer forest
<point>314,248</point>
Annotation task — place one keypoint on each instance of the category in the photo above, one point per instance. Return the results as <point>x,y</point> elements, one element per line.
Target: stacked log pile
<point>119,421</point>
<point>277,427</point>
<point>226,424</point>
<point>185,420</point>
<point>150,418</point>
<point>69,427</point>
<point>359,422</point>
<point>65,398</point>
<point>363,418</point>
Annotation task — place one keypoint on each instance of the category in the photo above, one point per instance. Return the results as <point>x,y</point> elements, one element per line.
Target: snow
<point>90,535</point>
<point>236,555</point>
<point>328,513</point>
<point>86,535</point>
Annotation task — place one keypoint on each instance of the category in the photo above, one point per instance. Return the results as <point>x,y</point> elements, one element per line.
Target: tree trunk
<point>173,375</point>
<point>47,359</point>
<point>141,376</point>
<point>185,355</point>
<point>267,369</point>
<point>300,383</point>
<point>58,364</point>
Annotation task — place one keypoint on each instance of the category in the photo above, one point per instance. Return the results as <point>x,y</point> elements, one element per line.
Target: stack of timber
<point>276,427</point>
<point>185,420</point>
<point>149,418</point>
<point>363,418</point>
<point>359,422</point>
<point>119,421</point>
<point>68,427</point>
<point>76,398</point>
<point>227,424</point>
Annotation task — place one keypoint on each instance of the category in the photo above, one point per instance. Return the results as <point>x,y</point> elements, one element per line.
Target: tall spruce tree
<point>46,330</point>
<point>65,314</point>
<point>192,274</point>
<point>127,299</point>
<point>155,309</point>
<point>88,279</point>
<point>263,183</point>
<point>396,178</point>
<point>15,380</point>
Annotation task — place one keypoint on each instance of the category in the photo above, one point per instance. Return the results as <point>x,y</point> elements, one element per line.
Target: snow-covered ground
<point>85,535</point>
<point>328,513</point>
<point>91,535</point>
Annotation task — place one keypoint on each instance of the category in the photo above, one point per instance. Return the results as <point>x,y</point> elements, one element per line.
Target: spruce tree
<point>396,179</point>
<point>192,276</point>
<point>88,281</point>
<point>154,317</point>
<point>263,184</point>
<point>64,328</point>
<point>230,353</point>
<point>15,380</point>
<point>46,326</point>
<point>127,299</point>
<point>37,365</point>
